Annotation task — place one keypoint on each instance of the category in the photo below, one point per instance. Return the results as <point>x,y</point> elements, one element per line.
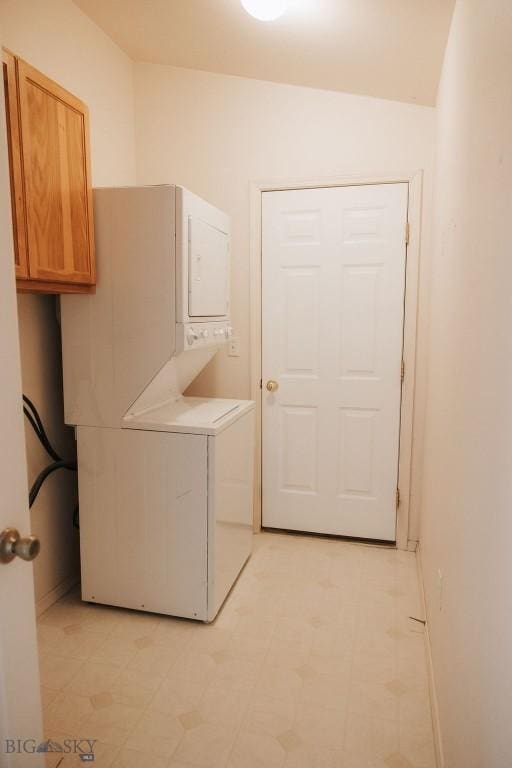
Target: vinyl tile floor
<point>313,662</point>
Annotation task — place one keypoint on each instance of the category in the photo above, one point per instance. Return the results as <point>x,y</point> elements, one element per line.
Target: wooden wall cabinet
<point>50,169</point>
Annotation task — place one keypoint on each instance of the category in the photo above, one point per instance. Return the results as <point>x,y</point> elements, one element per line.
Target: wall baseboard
<point>55,594</point>
<point>436,724</point>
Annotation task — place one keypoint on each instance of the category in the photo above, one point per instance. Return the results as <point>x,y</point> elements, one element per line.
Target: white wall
<point>52,512</point>
<point>216,133</point>
<point>466,530</point>
<point>63,43</point>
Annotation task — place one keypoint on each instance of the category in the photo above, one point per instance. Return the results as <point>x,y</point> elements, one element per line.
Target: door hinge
<point>397,497</point>
<point>407,232</point>
<point>402,371</point>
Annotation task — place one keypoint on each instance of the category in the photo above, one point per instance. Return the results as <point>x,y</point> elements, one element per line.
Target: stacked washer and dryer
<point>165,481</point>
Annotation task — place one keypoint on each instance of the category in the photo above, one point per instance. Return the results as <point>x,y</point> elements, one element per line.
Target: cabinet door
<point>56,176</point>
<point>15,167</point>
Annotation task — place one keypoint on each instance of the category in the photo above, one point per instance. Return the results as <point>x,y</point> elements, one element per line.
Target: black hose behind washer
<point>36,423</point>
<point>38,482</point>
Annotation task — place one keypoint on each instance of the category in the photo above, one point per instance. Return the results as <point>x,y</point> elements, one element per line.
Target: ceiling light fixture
<point>265,10</point>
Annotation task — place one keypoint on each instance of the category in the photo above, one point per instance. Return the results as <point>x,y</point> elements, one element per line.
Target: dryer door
<point>208,270</point>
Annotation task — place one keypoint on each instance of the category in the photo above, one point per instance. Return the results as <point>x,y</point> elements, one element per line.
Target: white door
<point>20,704</point>
<point>333,287</point>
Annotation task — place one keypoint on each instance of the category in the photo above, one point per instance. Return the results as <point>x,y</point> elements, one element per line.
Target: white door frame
<point>415,181</point>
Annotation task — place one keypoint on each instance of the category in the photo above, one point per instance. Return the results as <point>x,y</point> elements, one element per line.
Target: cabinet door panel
<point>54,129</point>
<point>15,165</point>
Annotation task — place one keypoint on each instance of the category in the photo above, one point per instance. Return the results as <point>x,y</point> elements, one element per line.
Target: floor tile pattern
<point>313,662</point>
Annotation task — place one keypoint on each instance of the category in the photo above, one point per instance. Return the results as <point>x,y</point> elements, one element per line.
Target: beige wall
<point>466,530</point>
<point>52,512</point>
<point>216,134</point>
<point>58,39</point>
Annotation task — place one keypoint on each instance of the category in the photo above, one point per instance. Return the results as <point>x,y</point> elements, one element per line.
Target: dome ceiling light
<point>265,10</point>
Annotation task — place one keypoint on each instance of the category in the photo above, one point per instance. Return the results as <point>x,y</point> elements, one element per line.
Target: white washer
<point>168,507</point>
<point>165,481</point>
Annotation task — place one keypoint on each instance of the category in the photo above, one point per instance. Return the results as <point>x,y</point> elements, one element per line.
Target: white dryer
<point>165,481</point>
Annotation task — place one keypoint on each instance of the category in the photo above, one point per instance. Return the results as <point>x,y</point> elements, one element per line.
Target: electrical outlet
<point>440,588</point>
<point>234,347</point>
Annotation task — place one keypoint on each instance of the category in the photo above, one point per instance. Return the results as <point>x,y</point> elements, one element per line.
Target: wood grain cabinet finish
<point>15,165</point>
<point>48,130</point>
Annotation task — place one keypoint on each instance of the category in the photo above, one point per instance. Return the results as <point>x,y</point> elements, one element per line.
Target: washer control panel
<point>199,335</point>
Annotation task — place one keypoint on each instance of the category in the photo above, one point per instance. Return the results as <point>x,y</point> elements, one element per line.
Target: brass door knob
<point>272,385</point>
<point>12,545</point>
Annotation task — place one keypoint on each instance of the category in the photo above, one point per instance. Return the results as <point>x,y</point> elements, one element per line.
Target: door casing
<point>415,181</point>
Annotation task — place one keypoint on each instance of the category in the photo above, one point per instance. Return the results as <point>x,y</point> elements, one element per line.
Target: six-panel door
<point>333,289</point>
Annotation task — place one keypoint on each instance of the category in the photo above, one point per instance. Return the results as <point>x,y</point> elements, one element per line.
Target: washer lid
<point>195,415</point>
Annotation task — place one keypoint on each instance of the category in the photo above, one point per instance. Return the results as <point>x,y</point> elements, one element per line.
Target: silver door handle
<point>13,545</point>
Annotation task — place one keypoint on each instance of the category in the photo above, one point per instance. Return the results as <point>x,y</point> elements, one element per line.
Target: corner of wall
<point>436,723</point>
